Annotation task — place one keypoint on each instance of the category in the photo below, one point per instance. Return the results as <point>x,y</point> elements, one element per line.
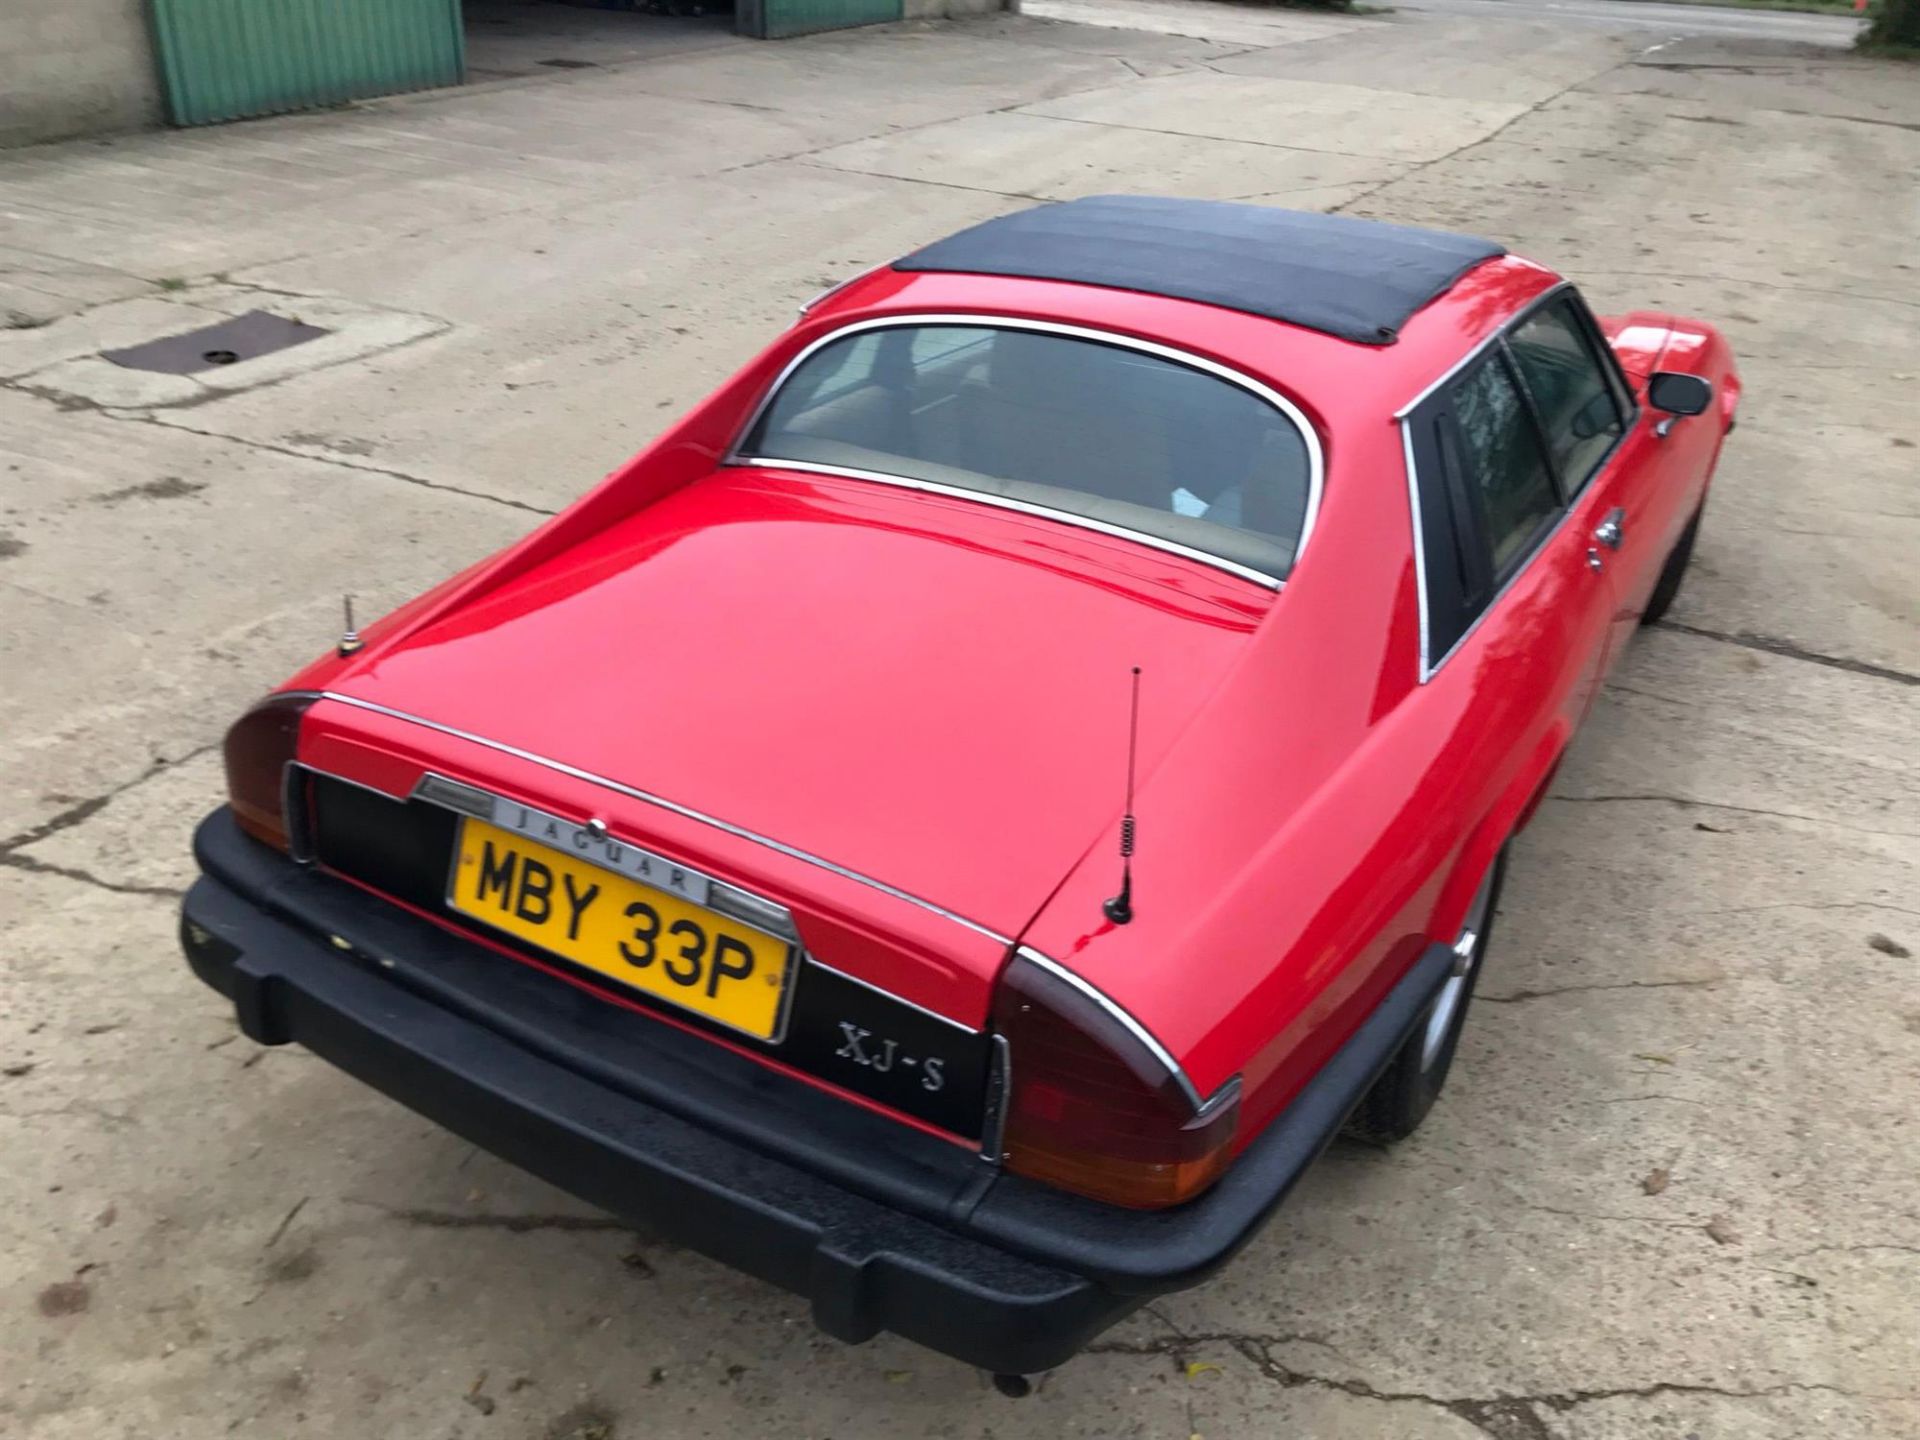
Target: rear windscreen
<point>1100,431</point>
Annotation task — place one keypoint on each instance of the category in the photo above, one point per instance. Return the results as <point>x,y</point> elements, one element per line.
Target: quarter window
<point>1568,383</point>
<point>1506,471</point>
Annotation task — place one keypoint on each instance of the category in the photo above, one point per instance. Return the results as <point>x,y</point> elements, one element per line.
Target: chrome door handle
<point>1612,530</point>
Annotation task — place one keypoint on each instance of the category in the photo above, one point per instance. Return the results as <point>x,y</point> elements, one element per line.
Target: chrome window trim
<point>1429,667</point>
<point>1419,544</point>
<point>1133,1027</point>
<point>1023,507</point>
<point>988,320</point>
<point>792,852</point>
<point>1429,670</point>
<point>1487,343</point>
<point>834,289</point>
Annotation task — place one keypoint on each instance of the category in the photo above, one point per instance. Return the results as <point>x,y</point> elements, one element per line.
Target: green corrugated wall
<point>224,59</point>
<point>777,19</point>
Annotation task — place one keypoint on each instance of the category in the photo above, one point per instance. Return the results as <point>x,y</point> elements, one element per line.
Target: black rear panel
<point>838,1029</point>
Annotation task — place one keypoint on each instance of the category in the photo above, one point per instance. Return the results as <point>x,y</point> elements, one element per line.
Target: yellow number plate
<point>637,936</point>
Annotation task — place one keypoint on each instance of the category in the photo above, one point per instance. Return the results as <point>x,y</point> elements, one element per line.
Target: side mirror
<point>1679,394</point>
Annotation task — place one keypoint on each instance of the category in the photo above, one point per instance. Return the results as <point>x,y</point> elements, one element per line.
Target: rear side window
<point>1564,375</point>
<point>1506,470</point>
<point>1096,430</point>
<point>1495,455</point>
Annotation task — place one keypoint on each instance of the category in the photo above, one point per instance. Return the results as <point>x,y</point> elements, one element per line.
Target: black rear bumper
<point>880,1227</point>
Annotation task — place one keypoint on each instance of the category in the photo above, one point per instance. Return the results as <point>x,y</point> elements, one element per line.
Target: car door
<point>1587,420</point>
<point>1507,570</point>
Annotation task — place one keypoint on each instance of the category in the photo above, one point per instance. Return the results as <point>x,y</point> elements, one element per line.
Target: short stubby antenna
<point>1120,908</point>
<point>350,641</point>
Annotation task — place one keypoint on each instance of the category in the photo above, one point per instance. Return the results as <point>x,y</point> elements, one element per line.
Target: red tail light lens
<point>259,747</point>
<point>1092,1108</point>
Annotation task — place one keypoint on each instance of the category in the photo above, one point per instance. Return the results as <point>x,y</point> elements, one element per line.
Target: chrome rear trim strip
<point>1132,1026</point>
<point>814,962</point>
<point>685,811</point>
<point>993,1136</point>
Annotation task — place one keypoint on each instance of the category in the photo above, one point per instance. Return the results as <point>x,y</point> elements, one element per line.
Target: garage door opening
<point>510,38</point>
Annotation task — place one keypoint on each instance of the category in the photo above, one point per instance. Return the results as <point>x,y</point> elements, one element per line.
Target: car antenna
<point>350,641</point>
<point>1119,909</point>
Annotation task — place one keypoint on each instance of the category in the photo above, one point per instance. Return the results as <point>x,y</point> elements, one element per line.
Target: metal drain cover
<point>245,337</point>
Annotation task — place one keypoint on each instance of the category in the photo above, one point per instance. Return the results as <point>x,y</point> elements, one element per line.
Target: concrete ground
<point>1670,1191</point>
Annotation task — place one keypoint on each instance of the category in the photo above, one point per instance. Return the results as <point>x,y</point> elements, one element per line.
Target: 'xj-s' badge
<point>881,1057</point>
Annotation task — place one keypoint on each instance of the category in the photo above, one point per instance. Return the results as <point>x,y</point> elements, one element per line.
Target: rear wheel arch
<point>1504,819</point>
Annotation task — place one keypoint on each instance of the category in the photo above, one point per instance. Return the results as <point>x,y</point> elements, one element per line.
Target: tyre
<point>1672,573</point>
<point>1407,1088</point>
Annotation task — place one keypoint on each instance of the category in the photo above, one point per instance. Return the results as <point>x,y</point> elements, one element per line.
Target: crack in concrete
<point>1854,1250</point>
<point>513,1224</point>
<point>1685,802</point>
<point>84,810</point>
<point>1806,905</point>
<point>1217,139</point>
<point>1588,1217</point>
<point>1492,135</point>
<point>145,417</point>
<point>14,860</point>
<point>112,1119</point>
<point>1772,645</point>
<point>1521,996</point>
<point>1810,114</point>
<point>1502,1417</point>
<point>13,849</point>
<point>1615,687</point>
<point>271,448</point>
<point>1639,1099</point>
<point>286,1221</point>
<point>889,132</point>
<point>922,180</point>
<point>1743,282</point>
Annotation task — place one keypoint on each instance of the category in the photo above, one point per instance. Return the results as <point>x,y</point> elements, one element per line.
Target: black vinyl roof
<point>1358,279</point>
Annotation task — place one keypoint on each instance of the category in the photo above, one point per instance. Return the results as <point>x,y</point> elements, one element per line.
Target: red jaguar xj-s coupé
<point>960,822</point>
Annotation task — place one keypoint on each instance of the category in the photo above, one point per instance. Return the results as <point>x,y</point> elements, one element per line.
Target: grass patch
<point>1895,31</point>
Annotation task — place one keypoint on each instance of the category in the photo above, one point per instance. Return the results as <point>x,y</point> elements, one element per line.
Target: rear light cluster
<point>1092,1108</point>
<point>259,748</point>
